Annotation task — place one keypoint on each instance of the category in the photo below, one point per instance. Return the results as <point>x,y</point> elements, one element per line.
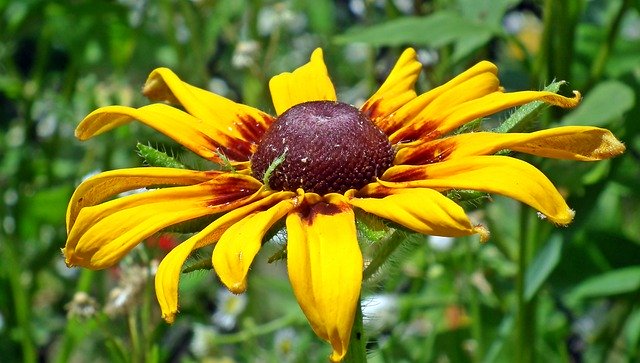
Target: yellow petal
<point>98,188</point>
<point>200,137</point>
<point>397,89</point>
<point>238,246</point>
<point>168,274</point>
<point>228,117</point>
<point>581,143</point>
<point>104,233</point>
<point>309,82</point>
<point>500,101</point>
<point>422,210</point>
<point>492,174</point>
<point>430,116</point>
<point>477,81</point>
<point>325,268</point>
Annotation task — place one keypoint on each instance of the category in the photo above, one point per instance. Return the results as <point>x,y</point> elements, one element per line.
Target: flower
<point>284,344</point>
<point>229,306</point>
<point>312,165</point>
<point>380,311</point>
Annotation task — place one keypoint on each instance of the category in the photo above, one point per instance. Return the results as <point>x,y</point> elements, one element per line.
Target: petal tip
<point>613,146</point>
<point>170,317</point>
<point>336,357</point>
<point>562,219</point>
<point>483,232</point>
<point>238,287</point>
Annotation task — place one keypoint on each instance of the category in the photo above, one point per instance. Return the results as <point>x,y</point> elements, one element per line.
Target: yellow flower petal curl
<point>422,210</point>
<point>104,233</point>
<point>238,246</point>
<point>325,269</point>
<point>168,274</point>
<point>227,117</point>
<point>309,82</point>
<point>477,108</point>
<point>99,187</point>
<point>483,78</point>
<point>396,91</point>
<point>492,174</point>
<point>583,143</point>
<point>200,137</point>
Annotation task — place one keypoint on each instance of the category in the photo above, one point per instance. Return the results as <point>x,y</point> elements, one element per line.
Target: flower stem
<point>21,303</point>
<point>357,350</point>
<point>384,249</point>
<point>526,309</point>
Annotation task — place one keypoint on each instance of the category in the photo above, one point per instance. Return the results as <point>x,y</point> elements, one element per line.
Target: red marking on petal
<point>428,153</point>
<point>408,174</point>
<point>308,213</point>
<point>231,189</point>
<point>252,129</point>
<point>423,130</point>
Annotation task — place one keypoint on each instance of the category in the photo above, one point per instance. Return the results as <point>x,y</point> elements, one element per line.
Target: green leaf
<point>632,331</point>
<point>370,227</point>
<point>526,114</point>
<point>606,102</point>
<point>155,157</point>
<point>487,11</point>
<point>615,282</point>
<point>436,30</point>
<point>202,263</point>
<point>542,266</point>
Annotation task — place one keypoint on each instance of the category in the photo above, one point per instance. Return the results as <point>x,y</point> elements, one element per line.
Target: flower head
<point>313,164</point>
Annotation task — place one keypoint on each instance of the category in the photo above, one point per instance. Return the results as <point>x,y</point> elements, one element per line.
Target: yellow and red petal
<point>581,143</point>
<point>200,137</point>
<point>396,91</point>
<point>100,187</point>
<point>325,269</point>
<point>227,117</point>
<point>234,253</point>
<point>492,174</point>
<point>420,209</point>
<point>309,82</point>
<point>477,81</point>
<point>104,233</point>
<point>448,120</point>
<point>168,274</point>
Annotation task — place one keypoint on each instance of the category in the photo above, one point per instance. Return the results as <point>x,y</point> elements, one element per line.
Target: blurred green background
<point>534,292</point>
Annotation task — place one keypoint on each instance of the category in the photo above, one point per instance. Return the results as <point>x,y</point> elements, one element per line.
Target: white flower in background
<point>129,290</point>
<point>9,224</point>
<point>61,268</point>
<point>202,341</point>
<point>379,311</point>
<point>219,86</point>
<point>245,54</point>
<point>81,306</point>
<point>428,57</point>
<point>280,15</point>
<point>356,52</point>
<point>284,343</point>
<point>229,307</point>
<point>183,34</point>
<point>405,6</point>
<point>438,243</point>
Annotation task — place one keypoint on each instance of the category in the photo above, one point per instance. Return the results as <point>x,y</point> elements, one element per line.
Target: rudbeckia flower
<point>311,165</point>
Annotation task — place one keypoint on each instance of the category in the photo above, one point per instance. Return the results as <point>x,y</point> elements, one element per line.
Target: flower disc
<point>327,146</point>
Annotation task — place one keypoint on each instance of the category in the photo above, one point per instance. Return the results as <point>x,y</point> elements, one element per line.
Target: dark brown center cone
<point>328,147</point>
